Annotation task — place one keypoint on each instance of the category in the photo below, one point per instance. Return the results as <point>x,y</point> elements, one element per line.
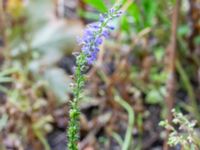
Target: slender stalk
<point>74,113</point>
<point>91,40</point>
<point>128,136</point>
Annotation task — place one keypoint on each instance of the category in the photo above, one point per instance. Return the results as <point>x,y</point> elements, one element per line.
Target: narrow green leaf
<point>134,12</point>
<point>150,9</point>
<point>6,79</point>
<point>97,4</point>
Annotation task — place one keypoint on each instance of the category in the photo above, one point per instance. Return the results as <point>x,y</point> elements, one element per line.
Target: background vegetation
<point>149,66</point>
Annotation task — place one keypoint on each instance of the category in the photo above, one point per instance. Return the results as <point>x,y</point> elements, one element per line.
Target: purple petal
<point>98,41</point>
<point>106,34</point>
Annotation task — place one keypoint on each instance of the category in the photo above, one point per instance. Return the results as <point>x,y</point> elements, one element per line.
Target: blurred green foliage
<point>97,4</point>
<point>33,85</point>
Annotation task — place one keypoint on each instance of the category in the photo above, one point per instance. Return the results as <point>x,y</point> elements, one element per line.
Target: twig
<point>170,65</point>
<point>194,16</point>
<point>2,23</point>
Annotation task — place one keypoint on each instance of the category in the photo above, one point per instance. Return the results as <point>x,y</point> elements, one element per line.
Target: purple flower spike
<point>94,33</point>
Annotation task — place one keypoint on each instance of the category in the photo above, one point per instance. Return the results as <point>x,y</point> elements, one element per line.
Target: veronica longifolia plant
<point>90,42</point>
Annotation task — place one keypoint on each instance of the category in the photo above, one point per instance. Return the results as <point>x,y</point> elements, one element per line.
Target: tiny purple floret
<point>94,34</point>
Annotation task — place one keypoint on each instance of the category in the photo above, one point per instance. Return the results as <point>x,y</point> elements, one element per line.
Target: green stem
<point>129,109</point>
<point>74,113</point>
<point>189,89</point>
